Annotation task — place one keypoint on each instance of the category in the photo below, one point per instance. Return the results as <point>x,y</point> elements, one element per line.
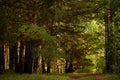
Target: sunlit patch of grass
<point>12,76</point>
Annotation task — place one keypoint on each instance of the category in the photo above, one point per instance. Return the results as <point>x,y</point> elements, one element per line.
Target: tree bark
<point>28,57</point>
<point>11,58</point>
<point>69,67</point>
<point>111,57</point>
<point>66,66</point>
<point>21,57</point>
<point>43,65</point>
<point>2,58</point>
<point>16,57</point>
<point>36,64</point>
<point>107,43</point>
<point>48,66</point>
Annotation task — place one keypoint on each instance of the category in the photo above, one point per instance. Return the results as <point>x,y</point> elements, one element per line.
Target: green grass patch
<point>88,78</point>
<point>112,77</point>
<point>12,76</point>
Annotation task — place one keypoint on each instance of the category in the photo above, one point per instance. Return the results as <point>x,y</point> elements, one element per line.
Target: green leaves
<point>30,31</point>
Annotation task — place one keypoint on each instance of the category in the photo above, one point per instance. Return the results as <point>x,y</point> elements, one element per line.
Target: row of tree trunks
<point>28,57</point>
<point>46,64</point>
<point>21,59</point>
<point>13,58</point>
<point>22,62</point>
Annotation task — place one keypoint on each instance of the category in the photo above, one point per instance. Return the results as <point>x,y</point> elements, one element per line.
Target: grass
<point>106,77</point>
<point>88,78</point>
<point>12,76</point>
<point>112,77</point>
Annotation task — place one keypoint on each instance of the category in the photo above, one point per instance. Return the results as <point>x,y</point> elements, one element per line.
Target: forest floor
<point>71,76</point>
<point>94,76</point>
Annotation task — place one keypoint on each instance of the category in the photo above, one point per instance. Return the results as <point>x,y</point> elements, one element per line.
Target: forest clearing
<point>59,39</point>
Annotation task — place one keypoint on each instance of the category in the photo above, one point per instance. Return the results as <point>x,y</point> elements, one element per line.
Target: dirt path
<point>97,76</point>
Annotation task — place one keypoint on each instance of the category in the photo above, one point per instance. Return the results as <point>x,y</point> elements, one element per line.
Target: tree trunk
<point>110,40</point>
<point>107,45</point>
<point>28,58</point>
<point>2,58</point>
<point>16,57</point>
<point>48,66</point>
<point>21,57</point>
<point>69,67</point>
<point>43,65</point>
<point>66,66</point>
<point>36,64</point>
<point>108,55</point>
<point>11,58</point>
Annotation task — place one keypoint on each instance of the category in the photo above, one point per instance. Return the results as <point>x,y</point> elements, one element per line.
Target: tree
<point>111,39</point>
<point>2,58</point>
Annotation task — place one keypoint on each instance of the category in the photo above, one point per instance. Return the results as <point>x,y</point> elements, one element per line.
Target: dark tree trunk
<point>109,40</point>
<point>16,57</point>
<point>11,58</point>
<point>28,58</point>
<point>108,49</point>
<point>21,57</point>
<point>2,67</point>
<point>36,64</point>
<point>69,67</point>
<point>69,64</point>
<point>48,66</point>
<point>66,66</point>
<point>43,65</point>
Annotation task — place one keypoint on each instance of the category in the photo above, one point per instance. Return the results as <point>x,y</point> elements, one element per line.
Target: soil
<point>97,76</point>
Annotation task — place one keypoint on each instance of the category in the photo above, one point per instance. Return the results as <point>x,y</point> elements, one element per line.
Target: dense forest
<point>60,36</point>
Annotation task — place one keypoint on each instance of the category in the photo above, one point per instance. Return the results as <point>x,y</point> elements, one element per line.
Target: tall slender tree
<point>2,68</point>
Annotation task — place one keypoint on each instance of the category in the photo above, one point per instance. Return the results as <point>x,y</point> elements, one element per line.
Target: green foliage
<point>100,65</point>
<point>34,32</point>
